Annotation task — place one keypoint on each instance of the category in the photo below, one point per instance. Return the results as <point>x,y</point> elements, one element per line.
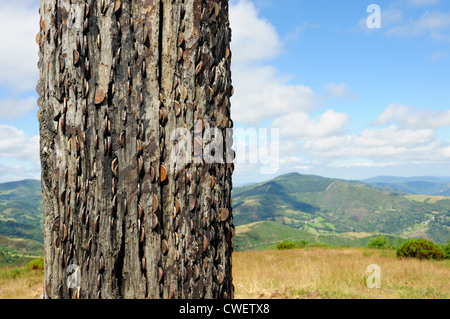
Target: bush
<point>379,242</point>
<point>421,249</point>
<point>446,250</point>
<point>286,244</point>
<point>302,243</point>
<point>36,264</point>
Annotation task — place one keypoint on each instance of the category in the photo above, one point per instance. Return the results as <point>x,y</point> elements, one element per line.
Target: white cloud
<point>316,140</point>
<point>19,22</point>
<point>15,144</point>
<point>396,22</point>
<point>439,55</point>
<point>262,94</point>
<point>16,108</point>
<point>295,34</point>
<point>434,24</point>
<point>296,162</point>
<point>421,3</point>
<point>337,90</point>
<point>300,126</point>
<point>18,172</point>
<point>359,164</point>
<point>413,119</point>
<point>386,144</point>
<point>254,38</point>
<point>446,152</point>
<point>389,16</point>
<point>433,21</point>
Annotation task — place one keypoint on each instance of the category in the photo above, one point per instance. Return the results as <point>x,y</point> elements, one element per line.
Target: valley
<point>336,212</point>
<point>320,210</point>
<point>332,219</point>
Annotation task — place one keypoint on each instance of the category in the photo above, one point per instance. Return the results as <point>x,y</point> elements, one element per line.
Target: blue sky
<point>347,101</point>
<point>374,102</point>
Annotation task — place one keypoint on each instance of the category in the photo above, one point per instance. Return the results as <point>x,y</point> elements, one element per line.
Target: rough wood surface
<point>118,80</point>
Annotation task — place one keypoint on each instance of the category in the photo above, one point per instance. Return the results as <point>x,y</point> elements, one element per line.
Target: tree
<point>122,83</point>
<point>379,242</point>
<point>420,248</point>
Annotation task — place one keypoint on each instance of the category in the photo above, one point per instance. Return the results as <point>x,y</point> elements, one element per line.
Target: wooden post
<point>119,80</point>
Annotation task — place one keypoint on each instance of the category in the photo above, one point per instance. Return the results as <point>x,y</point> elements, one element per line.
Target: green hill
<point>266,234</point>
<point>17,251</point>
<point>291,206</point>
<point>21,210</point>
<point>320,206</point>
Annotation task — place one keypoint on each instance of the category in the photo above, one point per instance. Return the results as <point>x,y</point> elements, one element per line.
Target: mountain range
<point>423,185</point>
<point>326,206</point>
<point>291,206</point>
<point>21,218</point>
<point>21,210</point>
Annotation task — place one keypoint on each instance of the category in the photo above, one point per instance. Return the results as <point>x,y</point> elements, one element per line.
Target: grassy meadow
<point>337,273</point>
<point>20,283</point>
<point>308,273</point>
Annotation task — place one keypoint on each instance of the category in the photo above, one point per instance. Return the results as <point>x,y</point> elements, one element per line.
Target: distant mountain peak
<point>324,205</point>
<point>418,185</point>
<point>289,175</point>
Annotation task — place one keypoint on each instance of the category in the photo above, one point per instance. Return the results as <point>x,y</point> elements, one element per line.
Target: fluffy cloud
<point>434,24</point>
<point>300,126</point>
<point>19,22</point>
<point>336,90</point>
<point>18,172</point>
<point>261,92</point>
<point>15,144</point>
<point>264,96</point>
<point>389,16</point>
<point>16,108</point>
<point>254,39</point>
<point>315,143</point>
<point>359,164</point>
<point>413,119</point>
<point>386,144</point>
<point>397,21</point>
<point>421,3</point>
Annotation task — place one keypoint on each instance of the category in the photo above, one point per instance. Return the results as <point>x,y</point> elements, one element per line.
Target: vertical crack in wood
<point>118,266</point>
<point>160,183</point>
<point>160,43</point>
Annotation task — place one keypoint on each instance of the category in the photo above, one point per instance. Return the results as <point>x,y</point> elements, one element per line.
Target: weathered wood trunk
<point>121,84</point>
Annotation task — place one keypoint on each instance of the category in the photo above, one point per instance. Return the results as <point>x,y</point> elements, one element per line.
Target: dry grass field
<point>337,273</point>
<point>318,273</point>
<point>21,283</point>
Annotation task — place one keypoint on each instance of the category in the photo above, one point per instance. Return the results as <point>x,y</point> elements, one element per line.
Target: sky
<point>318,89</point>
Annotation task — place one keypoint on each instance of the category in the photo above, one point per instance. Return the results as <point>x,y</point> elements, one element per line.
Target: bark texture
<point>118,79</point>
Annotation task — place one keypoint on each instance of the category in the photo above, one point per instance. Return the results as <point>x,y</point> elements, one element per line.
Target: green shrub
<point>446,250</point>
<point>379,242</point>
<point>302,243</point>
<point>318,244</point>
<point>286,244</point>
<point>421,249</point>
<point>36,264</point>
